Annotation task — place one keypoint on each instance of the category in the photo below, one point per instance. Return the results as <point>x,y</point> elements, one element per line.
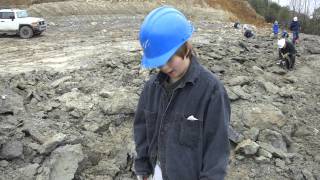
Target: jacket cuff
<point>142,167</point>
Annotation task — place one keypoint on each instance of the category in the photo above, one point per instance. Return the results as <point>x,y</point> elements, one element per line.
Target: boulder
<point>12,150</point>
<point>62,163</point>
<point>248,147</point>
<point>263,116</point>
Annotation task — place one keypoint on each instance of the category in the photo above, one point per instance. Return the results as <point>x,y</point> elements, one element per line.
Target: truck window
<point>7,15</point>
<point>22,14</point>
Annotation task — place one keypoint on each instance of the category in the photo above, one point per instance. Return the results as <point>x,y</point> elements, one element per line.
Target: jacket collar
<point>190,77</point>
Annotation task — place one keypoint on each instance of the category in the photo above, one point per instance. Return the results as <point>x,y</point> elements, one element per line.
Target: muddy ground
<point>68,97</point>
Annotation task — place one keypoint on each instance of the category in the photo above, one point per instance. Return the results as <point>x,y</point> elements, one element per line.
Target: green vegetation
<point>272,11</point>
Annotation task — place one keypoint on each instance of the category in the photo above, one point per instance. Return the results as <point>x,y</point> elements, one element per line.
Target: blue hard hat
<point>162,32</point>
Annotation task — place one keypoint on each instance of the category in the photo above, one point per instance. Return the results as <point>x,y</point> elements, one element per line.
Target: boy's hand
<point>285,55</point>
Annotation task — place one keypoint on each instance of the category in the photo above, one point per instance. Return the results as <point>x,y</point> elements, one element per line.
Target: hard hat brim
<point>159,60</point>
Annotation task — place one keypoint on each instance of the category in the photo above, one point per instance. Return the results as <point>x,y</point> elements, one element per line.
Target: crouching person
<point>287,53</point>
<point>181,122</point>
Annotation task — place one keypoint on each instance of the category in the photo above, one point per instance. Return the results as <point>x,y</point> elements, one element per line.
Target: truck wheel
<point>25,32</point>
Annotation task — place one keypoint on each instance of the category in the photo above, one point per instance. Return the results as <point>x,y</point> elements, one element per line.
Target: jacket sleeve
<point>216,142</point>
<point>141,163</point>
<point>291,26</point>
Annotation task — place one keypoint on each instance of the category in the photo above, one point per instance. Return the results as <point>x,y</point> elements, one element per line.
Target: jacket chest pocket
<point>151,119</point>
<point>190,131</point>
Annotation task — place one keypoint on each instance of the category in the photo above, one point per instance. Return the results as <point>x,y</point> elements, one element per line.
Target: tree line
<point>271,11</point>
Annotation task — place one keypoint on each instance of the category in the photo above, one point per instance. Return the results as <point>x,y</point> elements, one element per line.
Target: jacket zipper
<point>159,131</point>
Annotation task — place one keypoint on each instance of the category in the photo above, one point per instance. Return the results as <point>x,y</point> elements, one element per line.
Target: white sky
<point>311,3</point>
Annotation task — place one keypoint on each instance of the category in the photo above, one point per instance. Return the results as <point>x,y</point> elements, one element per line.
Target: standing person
<point>295,28</point>
<point>284,34</point>
<point>236,25</point>
<point>287,53</point>
<point>181,122</point>
<point>275,29</point>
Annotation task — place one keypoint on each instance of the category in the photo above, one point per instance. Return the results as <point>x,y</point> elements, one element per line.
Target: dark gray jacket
<point>186,149</point>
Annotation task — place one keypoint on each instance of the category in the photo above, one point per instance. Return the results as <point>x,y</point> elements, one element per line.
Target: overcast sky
<point>312,3</point>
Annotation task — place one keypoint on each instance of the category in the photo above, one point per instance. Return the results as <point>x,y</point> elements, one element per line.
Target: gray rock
<point>262,159</point>
<point>247,147</point>
<point>303,130</point>
<point>274,151</point>
<point>27,173</point>
<point>52,143</point>
<point>274,138</point>
<point>307,174</point>
<point>77,100</point>
<point>12,149</point>
<point>234,50</point>
<point>240,59</point>
<point>106,167</point>
<point>34,133</point>
<point>317,158</point>
<point>279,71</point>
<point>264,153</point>
<point>121,101</point>
<point>313,49</point>
<point>232,96</point>
<point>11,103</point>
<point>280,163</point>
<point>240,92</point>
<point>4,163</point>
<point>62,163</point>
<point>291,79</point>
<point>214,55</point>
<point>43,173</point>
<point>287,91</point>
<point>217,69</point>
<point>57,82</point>
<point>234,136</point>
<point>263,116</point>
<point>252,133</point>
<point>257,70</point>
<point>105,93</point>
<point>270,87</point>
<point>240,80</point>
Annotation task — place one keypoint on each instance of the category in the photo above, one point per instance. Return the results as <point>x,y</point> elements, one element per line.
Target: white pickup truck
<point>17,21</point>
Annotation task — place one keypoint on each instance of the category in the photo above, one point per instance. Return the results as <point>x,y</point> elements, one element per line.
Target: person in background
<point>236,25</point>
<point>275,29</point>
<point>295,28</point>
<point>287,53</point>
<point>181,122</point>
<point>248,33</point>
<point>284,34</point>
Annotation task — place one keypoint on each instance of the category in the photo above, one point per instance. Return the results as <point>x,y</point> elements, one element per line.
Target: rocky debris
<point>62,163</point>
<point>248,147</point>
<point>52,143</point>
<point>57,82</point>
<point>119,101</point>
<point>263,116</point>
<point>273,138</point>
<point>28,172</point>
<point>11,103</point>
<point>240,80</point>
<point>4,163</point>
<point>11,150</point>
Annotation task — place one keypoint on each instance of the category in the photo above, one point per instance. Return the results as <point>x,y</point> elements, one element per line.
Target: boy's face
<point>176,67</point>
